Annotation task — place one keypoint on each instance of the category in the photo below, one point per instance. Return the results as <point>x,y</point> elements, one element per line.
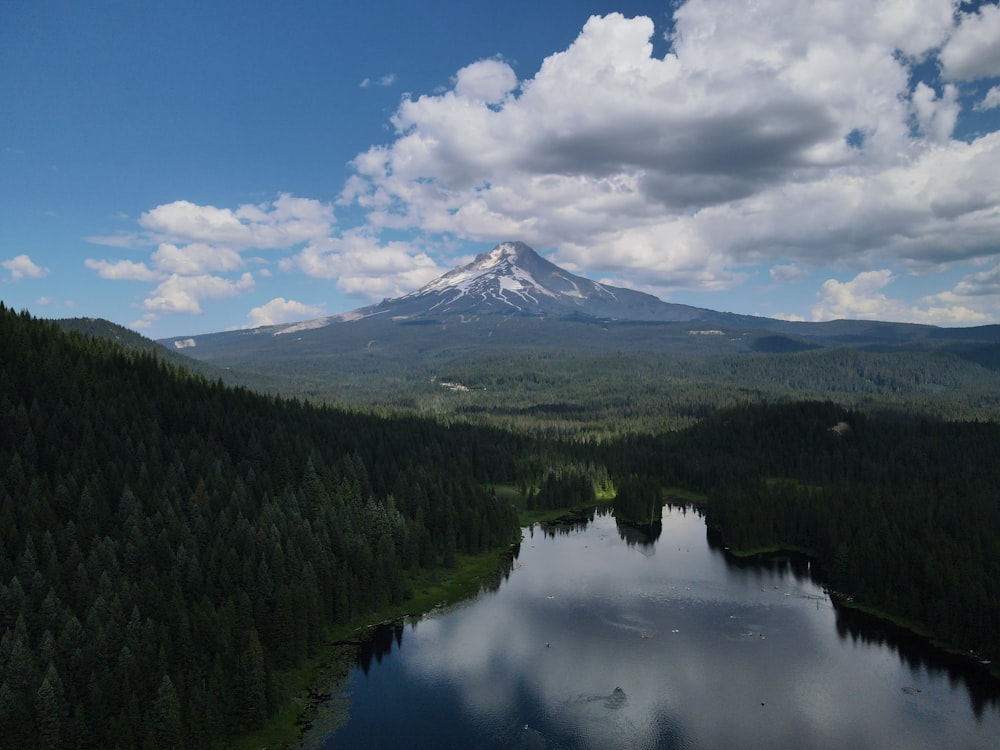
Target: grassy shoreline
<point>304,687</point>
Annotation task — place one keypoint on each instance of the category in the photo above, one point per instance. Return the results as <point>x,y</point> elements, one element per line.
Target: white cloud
<point>280,310</point>
<point>185,294</point>
<point>198,251</point>
<point>121,270</point>
<point>488,81</point>
<point>792,317</point>
<point>990,101</point>
<point>189,222</point>
<point>22,267</point>
<point>195,259</point>
<point>936,115</point>
<point>365,267</point>
<point>772,130</point>
<point>862,298</point>
<point>796,135</point>
<point>857,298</point>
<point>283,223</point>
<point>145,322</point>
<point>973,51</point>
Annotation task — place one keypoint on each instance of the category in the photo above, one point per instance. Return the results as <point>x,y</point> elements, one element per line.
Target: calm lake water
<point>597,641</point>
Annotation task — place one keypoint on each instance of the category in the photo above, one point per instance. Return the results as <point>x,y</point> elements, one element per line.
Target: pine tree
<point>165,717</point>
<point>51,711</point>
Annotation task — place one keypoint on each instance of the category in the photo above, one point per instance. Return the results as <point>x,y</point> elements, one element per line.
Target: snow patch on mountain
<point>305,325</point>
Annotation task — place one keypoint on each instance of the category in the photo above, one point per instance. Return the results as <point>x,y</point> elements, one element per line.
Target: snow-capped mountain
<point>513,279</point>
<point>512,297</point>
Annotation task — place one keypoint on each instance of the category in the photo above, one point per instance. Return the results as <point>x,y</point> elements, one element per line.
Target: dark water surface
<point>595,641</point>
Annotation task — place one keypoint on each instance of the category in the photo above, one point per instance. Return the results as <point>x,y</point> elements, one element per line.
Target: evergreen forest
<point>167,543</point>
<point>170,543</point>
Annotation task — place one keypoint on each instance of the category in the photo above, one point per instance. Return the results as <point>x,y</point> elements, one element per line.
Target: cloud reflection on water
<point>706,654</point>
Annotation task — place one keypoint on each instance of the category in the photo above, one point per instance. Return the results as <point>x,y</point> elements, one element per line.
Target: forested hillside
<point>167,543</point>
<point>903,514</point>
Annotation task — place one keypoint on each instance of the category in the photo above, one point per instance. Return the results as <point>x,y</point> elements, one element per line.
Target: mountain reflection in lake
<point>605,638</point>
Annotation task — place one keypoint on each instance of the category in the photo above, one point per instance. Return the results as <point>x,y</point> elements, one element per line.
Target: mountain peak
<point>503,258</point>
<point>514,279</point>
<point>514,251</point>
<point>508,267</point>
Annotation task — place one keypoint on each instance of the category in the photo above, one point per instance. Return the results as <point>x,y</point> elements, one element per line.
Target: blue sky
<point>189,167</point>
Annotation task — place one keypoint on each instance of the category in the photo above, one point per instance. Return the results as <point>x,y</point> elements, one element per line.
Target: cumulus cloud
<point>199,248</point>
<point>363,266</point>
<point>488,81</point>
<point>990,101</point>
<point>145,322</point>
<point>858,298</point>
<point>280,310</point>
<point>973,51</point>
<point>936,114</point>
<point>862,298</point>
<point>771,131</point>
<point>186,293</point>
<point>199,254</point>
<point>121,270</point>
<point>196,258</point>
<point>283,223</point>
<point>22,267</point>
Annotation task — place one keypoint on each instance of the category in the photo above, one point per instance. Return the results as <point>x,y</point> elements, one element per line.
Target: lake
<point>605,639</point>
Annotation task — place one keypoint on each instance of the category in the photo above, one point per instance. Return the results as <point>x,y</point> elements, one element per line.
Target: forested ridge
<point>167,543</point>
<point>903,514</point>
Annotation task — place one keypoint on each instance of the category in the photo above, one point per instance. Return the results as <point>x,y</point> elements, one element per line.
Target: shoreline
<point>912,628</point>
<point>307,689</point>
<point>314,685</point>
